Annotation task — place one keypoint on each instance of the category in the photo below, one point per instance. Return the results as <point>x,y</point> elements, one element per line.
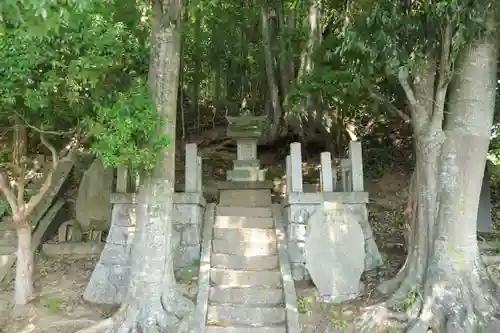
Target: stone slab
<point>253,263</point>
<point>317,198</point>
<point>246,315</point>
<point>72,250</point>
<point>238,164</point>
<point>245,198</point>
<point>261,184</point>
<point>244,211</point>
<point>179,198</point>
<point>92,201</point>
<point>244,249</point>
<point>238,278</point>
<point>245,235</point>
<point>244,222</point>
<point>260,295</point>
<point>232,329</point>
<point>339,243</point>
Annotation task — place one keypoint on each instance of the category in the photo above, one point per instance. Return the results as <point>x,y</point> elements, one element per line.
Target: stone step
<point>8,249</point>
<point>247,249</point>
<point>233,329</point>
<point>8,234</point>
<point>243,222</point>
<point>237,278</point>
<point>245,315</point>
<point>245,198</point>
<point>254,263</point>
<point>247,235</point>
<point>9,242</point>
<point>244,211</point>
<point>260,295</point>
<point>249,164</point>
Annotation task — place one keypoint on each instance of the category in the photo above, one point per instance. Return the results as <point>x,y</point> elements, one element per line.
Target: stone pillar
<point>191,169</point>
<point>296,167</point>
<point>355,155</point>
<point>199,173</point>
<point>122,179</point>
<point>288,174</point>
<point>326,172</point>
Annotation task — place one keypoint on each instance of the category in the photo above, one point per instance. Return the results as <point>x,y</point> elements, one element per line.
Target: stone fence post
<point>326,176</point>
<point>192,167</point>
<point>296,168</point>
<point>356,159</point>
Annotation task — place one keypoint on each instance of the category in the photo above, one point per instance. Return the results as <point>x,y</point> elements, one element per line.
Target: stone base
<point>242,185</point>
<point>246,174</point>
<point>74,250</point>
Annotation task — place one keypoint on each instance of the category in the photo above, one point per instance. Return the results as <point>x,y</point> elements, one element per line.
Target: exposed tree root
<point>171,313</point>
<point>461,305</point>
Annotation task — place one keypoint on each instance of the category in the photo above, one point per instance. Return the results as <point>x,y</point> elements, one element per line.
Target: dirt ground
<point>59,308</point>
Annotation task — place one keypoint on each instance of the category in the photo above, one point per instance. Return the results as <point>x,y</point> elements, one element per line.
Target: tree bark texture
<point>444,284</point>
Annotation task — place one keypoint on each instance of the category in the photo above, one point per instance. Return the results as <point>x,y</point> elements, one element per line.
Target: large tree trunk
<point>153,304</point>
<point>444,284</point>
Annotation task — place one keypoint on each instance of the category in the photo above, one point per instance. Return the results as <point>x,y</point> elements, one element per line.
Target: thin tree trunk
<point>24,291</point>
<point>197,71</point>
<point>274,124</point>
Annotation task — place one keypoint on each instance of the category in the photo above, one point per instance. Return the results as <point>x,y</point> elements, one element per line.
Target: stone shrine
<point>246,130</point>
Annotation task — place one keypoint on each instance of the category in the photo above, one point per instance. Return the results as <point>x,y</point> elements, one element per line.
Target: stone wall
<point>109,281</point>
<point>189,209</point>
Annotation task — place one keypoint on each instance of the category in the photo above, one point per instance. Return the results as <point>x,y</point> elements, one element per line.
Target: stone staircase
<point>246,290</point>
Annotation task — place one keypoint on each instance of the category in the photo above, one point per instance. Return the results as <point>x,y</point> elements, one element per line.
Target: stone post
<point>199,174</point>
<point>288,174</point>
<point>326,172</point>
<point>191,169</point>
<point>122,179</point>
<point>355,155</point>
<point>296,167</point>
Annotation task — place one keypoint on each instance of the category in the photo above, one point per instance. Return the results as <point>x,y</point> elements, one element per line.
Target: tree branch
<point>403,76</point>
<point>35,200</point>
<point>391,107</point>
<point>443,78</point>
<point>8,193</point>
<point>40,130</point>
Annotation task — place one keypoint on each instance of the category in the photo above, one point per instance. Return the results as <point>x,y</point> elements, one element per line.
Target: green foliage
<point>90,71</point>
<point>128,130</point>
<point>37,17</point>
<point>52,303</point>
<point>303,305</point>
<point>4,208</point>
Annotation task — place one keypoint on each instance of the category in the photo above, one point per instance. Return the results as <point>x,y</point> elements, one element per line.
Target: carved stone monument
<point>335,253</point>
<point>93,209</point>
